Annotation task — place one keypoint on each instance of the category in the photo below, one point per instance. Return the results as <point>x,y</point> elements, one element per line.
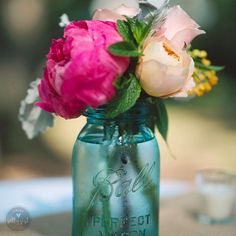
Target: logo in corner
<point>18,219</point>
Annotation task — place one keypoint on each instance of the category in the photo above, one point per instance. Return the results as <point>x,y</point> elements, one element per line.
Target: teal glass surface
<point>116,166</point>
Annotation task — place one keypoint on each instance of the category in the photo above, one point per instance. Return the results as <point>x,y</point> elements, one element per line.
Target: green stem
<point>150,191</point>
<point>107,218</point>
<point>86,212</point>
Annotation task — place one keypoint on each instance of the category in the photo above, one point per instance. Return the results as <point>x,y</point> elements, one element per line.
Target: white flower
<point>64,21</point>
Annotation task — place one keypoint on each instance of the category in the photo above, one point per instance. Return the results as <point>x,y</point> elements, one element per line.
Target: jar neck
<point>139,113</point>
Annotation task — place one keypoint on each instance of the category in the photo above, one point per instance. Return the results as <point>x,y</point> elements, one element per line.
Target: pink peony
<point>80,71</point>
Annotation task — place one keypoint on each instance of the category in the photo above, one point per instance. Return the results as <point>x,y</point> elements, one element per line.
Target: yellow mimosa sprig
<point>205,74</point>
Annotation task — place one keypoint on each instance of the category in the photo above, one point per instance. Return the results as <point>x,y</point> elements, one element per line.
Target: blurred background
<point>202,131</point>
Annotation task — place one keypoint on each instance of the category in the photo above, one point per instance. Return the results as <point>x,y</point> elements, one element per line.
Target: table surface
<point>54,195</point>
<point>177,213</point>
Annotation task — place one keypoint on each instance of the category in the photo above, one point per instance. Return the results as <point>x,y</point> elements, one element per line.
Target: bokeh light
<point>23,18</point>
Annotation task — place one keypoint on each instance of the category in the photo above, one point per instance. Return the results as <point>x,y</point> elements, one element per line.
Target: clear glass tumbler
<point>217,194</point>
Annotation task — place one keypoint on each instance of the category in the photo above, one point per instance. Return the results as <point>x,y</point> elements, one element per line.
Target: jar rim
<point>140,111</point>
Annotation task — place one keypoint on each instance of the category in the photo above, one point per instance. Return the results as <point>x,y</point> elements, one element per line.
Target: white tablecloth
<point>48,196</point>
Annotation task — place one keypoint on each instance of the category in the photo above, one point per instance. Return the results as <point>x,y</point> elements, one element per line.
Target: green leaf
<point>124,29</point>
<point>146,29</point>
<point>131,22</point>
<point>126,99</point>
<point>216,68</point>
<point>161,117</point>
<point>124,48</point>
<point>137,29</point>
<point>121,83</point>
<point>210,68</point>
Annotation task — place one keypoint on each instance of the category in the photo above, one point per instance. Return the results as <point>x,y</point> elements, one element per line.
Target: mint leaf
<point>138,30</point>
<point>124,48</point>
<point>124,29</point>
<point>34,120</point>
<point>141,31</point>
<point>126,98</point>
<point>131,22</point>
<point>121,83</point>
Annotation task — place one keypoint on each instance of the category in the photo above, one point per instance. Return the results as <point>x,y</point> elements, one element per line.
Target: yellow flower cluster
<point>205,79</point>
<point>197,53</point>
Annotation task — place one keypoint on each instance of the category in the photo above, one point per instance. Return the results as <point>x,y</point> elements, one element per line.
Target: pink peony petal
<point>45,107</point>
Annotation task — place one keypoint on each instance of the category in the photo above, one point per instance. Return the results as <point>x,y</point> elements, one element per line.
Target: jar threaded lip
<point>140,111</point>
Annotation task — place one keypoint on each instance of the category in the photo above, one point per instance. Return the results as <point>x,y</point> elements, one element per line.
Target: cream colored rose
<point>165,71</point>
<point>179,28</point>
<point>115,14</point>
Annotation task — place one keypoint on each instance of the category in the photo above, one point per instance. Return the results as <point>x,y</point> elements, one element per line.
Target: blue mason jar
<point>116,175</point>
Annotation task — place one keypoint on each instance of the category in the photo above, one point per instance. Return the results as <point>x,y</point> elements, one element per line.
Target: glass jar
<point>116,175</point>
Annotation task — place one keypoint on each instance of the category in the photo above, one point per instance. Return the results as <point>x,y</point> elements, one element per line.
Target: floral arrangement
<point>115,59</point>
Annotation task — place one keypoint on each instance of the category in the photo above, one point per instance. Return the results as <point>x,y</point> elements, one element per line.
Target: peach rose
<point>179,28</point>
<point>115,14</point>
<point>164,70</point>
